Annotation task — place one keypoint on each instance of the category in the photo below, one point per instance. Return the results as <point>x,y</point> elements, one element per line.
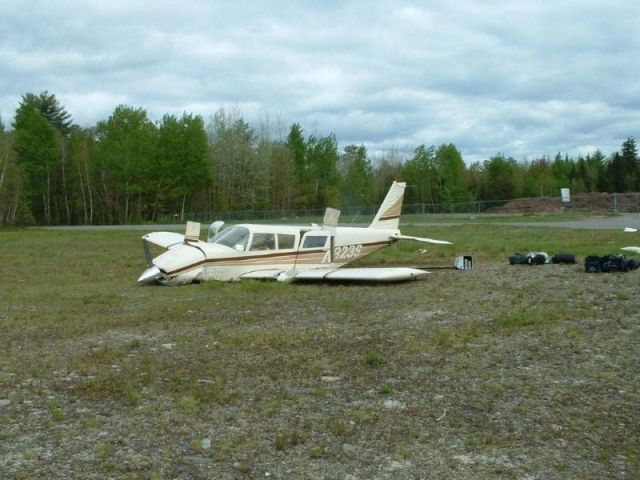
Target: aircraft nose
<point>150,275</point>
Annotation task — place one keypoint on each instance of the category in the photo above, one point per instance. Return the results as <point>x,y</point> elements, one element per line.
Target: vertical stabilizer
<point>388,215</point>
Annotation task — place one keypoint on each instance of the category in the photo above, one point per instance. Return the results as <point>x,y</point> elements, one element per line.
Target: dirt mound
<point>596,202</point>
<point>529,205</point>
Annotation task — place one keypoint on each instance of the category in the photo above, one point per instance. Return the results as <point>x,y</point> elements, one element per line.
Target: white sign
<point>565,194</point>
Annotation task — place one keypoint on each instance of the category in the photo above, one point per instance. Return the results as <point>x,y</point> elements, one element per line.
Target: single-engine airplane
<point>285,253</point>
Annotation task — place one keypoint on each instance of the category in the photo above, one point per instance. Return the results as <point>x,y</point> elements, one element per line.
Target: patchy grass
<point>505,371</point>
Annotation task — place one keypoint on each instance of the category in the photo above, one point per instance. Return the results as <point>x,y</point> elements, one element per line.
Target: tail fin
<point>388,215</point>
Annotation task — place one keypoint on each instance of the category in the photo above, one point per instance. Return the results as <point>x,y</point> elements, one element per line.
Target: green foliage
<point>357,172</point>
<point>422,175</point>
<point>236,171</point>
<point>56,410</point>
<point>180,168</point>
<point>38,157</point>
<point>297,149</point>
<point>451,170</point>
<point>500,174</point>
<point>124,158</point>
<point>51,109</point>
<point>322,160</point>
<point>384,389</point>
<point>374,359</point>
<point>128,169</point>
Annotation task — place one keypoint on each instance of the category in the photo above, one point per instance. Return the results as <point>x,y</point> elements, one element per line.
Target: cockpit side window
<point>315,241</point>
<point>263,241</point>
<point>286,240</point>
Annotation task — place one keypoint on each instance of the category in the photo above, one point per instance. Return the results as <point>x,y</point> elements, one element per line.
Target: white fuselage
<point>250,249</point>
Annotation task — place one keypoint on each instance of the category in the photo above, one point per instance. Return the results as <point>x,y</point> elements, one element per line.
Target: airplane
<point>286,253</point>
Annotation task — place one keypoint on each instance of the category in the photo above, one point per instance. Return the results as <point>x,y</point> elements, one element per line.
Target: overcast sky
<point>522,78</point>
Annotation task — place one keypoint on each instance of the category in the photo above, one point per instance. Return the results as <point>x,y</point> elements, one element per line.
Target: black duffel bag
<point>563,258</point>
<point>592,264</point>
<point>518,259</point>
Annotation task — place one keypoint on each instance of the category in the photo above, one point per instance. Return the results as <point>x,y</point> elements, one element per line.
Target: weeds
<point>374,359</point>
<point>534,365</point>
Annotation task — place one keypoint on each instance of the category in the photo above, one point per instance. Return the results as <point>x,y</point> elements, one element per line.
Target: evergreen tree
<point>51,109</point>
<point>631,168</point>
<point>301,175</point>
<point>322,158</point>
<point>38,157</point>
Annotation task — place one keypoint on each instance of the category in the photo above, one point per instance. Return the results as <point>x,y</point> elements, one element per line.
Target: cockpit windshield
<point>235,237</point>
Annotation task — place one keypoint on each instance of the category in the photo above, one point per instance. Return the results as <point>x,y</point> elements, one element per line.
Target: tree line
<point>129,169</point>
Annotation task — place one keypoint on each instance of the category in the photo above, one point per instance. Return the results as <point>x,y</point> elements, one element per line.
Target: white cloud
<point>523,78</point>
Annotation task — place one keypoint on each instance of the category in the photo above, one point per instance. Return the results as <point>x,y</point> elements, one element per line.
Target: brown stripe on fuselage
<point>250,258</point>
<point>305,257</point>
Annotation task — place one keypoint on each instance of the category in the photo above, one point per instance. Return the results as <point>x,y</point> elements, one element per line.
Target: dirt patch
<point>595,202</point>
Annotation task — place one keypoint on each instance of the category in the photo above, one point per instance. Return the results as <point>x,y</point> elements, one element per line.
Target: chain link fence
<point>597,203</point>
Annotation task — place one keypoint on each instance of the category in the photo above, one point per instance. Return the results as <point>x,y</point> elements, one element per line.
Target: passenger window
<point>263,241</point>
<point>316,241</point>
<point>286,241</point>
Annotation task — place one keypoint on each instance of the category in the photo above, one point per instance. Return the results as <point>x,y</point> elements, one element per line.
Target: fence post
<point>615,203</point>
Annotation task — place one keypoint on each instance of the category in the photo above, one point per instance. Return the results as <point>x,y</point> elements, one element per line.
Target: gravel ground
<point>503,372</point>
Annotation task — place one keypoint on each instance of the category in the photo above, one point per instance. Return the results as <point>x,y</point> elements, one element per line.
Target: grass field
<point>502,372</point>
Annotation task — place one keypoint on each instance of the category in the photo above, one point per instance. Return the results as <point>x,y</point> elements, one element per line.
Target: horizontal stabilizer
<point>373,274</point>
<point>421,239</point>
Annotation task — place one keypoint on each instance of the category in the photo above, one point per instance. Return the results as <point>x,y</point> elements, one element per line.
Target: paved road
<point>618,222</point>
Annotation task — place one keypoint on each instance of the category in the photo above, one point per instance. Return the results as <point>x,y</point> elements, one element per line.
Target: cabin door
<point>315,249</point>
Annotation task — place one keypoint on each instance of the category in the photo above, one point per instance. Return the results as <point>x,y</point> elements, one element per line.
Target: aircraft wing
<point>164,239</point>
<point>631,249</point>
<point>366,274</point>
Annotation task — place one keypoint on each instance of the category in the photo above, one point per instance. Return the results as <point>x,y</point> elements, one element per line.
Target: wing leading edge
<point>370,274</point>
